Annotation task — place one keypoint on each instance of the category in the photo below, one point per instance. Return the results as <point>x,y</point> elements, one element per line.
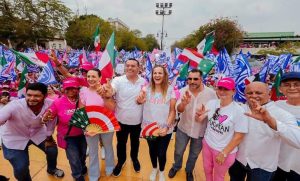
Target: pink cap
<point>87,66</point>
<point>70,82</point>
<point>227,83</point>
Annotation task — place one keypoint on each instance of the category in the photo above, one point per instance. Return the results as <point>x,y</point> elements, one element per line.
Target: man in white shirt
<point>268,125</point>
<point>289,164</point>
<point>189,130</point>
<point>128,113</point>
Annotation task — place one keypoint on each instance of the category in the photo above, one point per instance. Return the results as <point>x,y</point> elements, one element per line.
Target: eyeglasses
<point>216,114</point>
<point>193,78</point>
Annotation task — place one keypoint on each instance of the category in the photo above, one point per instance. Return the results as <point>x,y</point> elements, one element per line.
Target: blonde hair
<point>165,81</point>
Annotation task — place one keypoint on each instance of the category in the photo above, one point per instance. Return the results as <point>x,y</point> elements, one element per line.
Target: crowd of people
<point>257,141</point>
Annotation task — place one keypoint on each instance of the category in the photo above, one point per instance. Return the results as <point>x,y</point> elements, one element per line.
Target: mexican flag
<point>96,38</point>
<point>191,55</point>
<point>207,43</point>
<point>275,92</point>
<point>22,84</point>
<point>107,60</point>
<point>33,58</point>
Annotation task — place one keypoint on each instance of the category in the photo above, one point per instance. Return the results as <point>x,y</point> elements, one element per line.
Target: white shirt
<point>289,156</point>
<point>187,123</point>
<point>220,131</point>
<point>127,110</point>
<point>260,147</point>
<point>157,108</point>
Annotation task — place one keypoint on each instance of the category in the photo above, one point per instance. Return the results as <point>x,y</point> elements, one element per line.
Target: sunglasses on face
<point>193,78</point>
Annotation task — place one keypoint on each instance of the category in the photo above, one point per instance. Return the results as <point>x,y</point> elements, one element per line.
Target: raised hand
<point>186,98</point>
<point>48,116</point>
<point>141,99</point>
<point>260,113</point>
<point>201,113</point>
<point>53,57</point>
<point>108,89</point>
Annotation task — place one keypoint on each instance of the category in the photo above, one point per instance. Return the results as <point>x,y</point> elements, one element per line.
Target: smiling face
<point>93,78</point>
<point>257,91</point>
<point>194,80</point>
<point>34,98</point>
<point>131,68</point>
<point>224,94</point>
<point>158,75</point>
<point>291,89</point>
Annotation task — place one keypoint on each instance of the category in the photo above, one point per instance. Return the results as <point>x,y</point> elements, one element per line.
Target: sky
<point>188,15</point>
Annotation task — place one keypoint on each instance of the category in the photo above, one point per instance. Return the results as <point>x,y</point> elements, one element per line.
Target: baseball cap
<point>70,82</point>
<point>87,66</point>
<point>227,83</point>
<point>290,75</point>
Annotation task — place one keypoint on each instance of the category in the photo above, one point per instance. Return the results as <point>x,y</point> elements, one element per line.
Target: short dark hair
<point>196,71</point>
<point>5,94</point>
<point>96,70</point>
<point>37,86</point>
<point>133,59</point>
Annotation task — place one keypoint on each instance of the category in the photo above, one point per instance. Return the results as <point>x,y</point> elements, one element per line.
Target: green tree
<point>228,34</point>
<point>25,22</point>
<point>79,33</point>
<point>151,42</point>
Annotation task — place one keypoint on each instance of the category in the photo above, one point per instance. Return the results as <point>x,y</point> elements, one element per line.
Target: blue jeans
<point>19,159</point>
<point>283,175</point>
<point>238,172</point>
<point>94,166</point>
<point>181,142</point>
<point>76,154</point>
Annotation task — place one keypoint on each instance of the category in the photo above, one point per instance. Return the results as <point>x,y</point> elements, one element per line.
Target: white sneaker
<point>102,153</point>
<point>153,174</point>
<point>162,176</point>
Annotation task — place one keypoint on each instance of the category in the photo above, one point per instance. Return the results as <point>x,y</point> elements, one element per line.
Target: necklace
<point>73,102</point>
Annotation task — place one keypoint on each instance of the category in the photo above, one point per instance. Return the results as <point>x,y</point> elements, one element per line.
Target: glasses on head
<point>289,85</point>
<point>216,114</point>
<point>193,78</point>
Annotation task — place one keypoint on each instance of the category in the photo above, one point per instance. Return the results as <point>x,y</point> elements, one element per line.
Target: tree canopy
<point>228,34</point>
<point>27,21</point>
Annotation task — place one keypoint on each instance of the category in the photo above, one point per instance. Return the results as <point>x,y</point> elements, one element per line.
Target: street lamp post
<point>163,9</point>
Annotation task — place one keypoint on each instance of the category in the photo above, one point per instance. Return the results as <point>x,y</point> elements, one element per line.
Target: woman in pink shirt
<point>69,138</point>
<point>94,95</point>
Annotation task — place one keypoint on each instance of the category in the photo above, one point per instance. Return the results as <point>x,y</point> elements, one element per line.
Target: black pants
<point>238,172</point>
<point>281,175</point>
<point>158,150</point>
<point>122,137</point>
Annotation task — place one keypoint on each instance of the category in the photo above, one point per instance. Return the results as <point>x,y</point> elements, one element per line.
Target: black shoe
<point>3,178</point>
<point>172,173</point>
<point>57,173</point>
<point>189,176</point>
<point>136,166</point>
<point>117,170</point>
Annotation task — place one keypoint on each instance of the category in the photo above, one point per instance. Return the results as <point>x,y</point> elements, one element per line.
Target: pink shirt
<point>63,109</point>
<point>88,97</point>
<point>22,125</point>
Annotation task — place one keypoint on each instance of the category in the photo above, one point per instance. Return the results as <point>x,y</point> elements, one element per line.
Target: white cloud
<point>189,15</point>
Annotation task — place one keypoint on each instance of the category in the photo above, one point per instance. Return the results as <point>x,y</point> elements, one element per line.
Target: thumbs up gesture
<point>141,99</point>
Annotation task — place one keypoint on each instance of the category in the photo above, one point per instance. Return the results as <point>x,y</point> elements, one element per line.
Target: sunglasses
<point>216,114</point>
<point>193,78</point>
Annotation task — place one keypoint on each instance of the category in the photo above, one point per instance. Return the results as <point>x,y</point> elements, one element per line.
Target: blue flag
<point>47,76</point>
<point>224,65</point>
<point>148,68</point>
